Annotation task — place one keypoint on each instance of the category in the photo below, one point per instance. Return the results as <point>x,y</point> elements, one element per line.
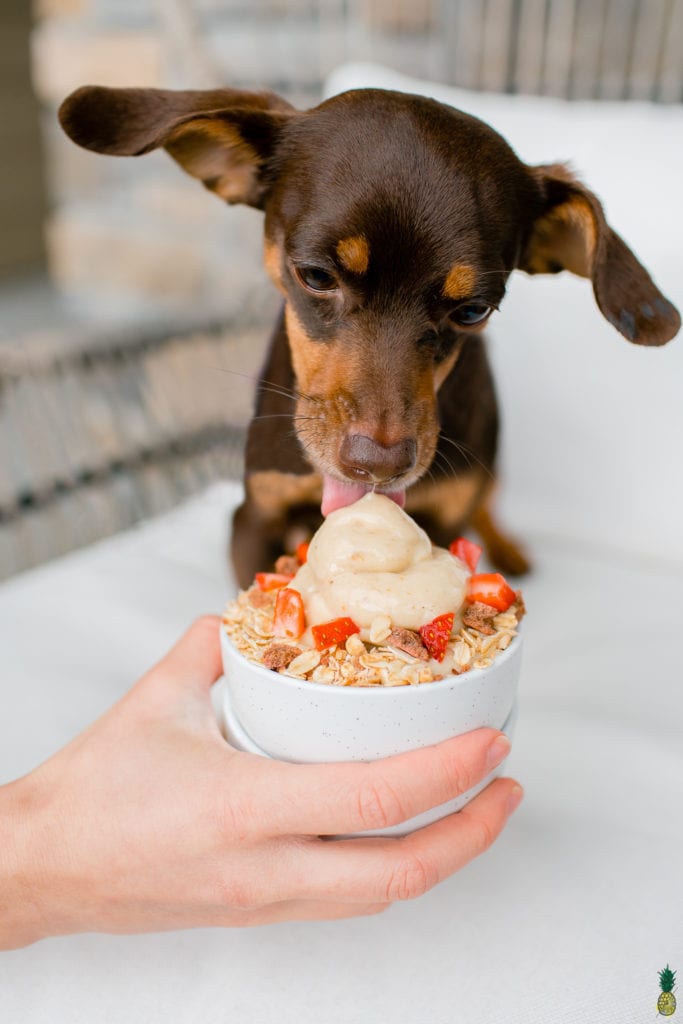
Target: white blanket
<point>569,916</point>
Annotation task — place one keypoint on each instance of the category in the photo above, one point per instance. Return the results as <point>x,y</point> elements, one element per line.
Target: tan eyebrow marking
<point>354,253</point>
<point>460,281</point>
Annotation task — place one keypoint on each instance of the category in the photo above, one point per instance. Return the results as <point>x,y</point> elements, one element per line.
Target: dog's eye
<point>471,313</point>
<point>317,279</point>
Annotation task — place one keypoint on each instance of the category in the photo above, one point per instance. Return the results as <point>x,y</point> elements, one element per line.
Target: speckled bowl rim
<point>369,692</point>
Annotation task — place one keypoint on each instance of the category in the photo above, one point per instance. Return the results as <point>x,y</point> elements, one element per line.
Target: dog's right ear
<point>224,137</point>
<point>572,234</point>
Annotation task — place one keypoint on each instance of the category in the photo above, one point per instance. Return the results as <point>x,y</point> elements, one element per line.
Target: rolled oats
<point>462,654</point>
<point>505,620</point>
<point>248,622</point>
<point>303,663</point>
<point>354,645</point>
<point>380,628</point>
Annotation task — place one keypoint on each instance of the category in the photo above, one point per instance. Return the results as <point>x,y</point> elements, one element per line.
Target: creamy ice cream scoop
<point>370,558</point>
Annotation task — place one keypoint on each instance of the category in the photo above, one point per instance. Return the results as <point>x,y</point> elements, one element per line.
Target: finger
<point>194,661</point>
<point>334,799</point>
<point>373,870</point>
<point>305,910</point>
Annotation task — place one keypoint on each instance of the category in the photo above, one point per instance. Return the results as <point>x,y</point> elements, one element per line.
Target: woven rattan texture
<point>97,435</point>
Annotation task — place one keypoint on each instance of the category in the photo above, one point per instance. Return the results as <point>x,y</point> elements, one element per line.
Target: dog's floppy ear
<point>224,137</point>
<point>572,234</point>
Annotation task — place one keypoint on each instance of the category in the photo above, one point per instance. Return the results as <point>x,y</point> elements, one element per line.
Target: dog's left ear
<point>572,234</point>
<point>224,137</point>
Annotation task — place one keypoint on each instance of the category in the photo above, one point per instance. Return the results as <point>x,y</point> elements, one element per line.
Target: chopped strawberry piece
<point>435,635</point>
<point>490,588</point>
<point>467,551</point>
<point>290,618</point>
<point>273,580</point>
<point>337,631</point>
<point>302,552</point>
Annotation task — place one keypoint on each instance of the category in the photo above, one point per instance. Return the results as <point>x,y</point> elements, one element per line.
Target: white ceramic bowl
<point>290,719</point>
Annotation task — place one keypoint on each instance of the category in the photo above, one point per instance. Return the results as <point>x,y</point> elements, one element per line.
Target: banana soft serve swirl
<point>370,559</point>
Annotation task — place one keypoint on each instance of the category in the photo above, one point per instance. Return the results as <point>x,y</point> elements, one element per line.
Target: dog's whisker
<point>462,449</point>
<point>430,474</point>
<point>465,451</point>
<point>272,389</point>
<point>271,386</point>
<point>491,273</point>
<point>283,416</point>
<point>261,385</point>
<point>488,273</point>
<point>440,458</point>
<point>295,393</point>
<point>445,461</point>
<point>292,392</point>
<point>272,416</point>
<point>236,373</point>
<point>239,373</point>
<point>307,446</point>
<point>459,448</point>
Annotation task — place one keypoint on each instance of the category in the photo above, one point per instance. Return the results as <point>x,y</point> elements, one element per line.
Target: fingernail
<point>498,751</point>
<point>515,798</point>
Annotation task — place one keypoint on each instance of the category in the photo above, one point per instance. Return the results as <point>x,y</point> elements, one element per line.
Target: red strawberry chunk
<point>490,588</point>
<point>338,631</point>
<point>435,635</point>
<point>290,618</point>
<point>272,580</point>
<point>467,551</point>
<point>302,552</point>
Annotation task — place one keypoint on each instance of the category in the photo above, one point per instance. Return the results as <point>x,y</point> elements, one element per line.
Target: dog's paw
<point>508,556</point>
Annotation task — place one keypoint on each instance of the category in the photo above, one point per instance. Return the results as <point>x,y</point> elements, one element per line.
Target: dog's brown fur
<point>414,214</point>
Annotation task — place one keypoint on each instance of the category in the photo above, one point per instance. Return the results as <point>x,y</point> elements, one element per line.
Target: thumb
<point>195,660</point>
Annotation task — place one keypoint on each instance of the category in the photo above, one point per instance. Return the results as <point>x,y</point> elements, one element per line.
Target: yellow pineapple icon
<point>666,1004</point>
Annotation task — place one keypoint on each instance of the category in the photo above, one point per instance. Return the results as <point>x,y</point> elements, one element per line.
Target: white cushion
<point>593,425</point>
<point>569,915</point>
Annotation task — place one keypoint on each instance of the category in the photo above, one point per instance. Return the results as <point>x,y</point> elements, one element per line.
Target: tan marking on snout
<point>311,360</point>
<point>460,281</point>
<point>449,501</point>
<point>273,493</point>
<point>443,369</point>
<point>354,253</point>
<point>272,261</point>
<point>321,371</point>
<point>347,390</point>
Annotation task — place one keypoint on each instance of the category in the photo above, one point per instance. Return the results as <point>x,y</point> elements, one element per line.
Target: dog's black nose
<point>363,458</point>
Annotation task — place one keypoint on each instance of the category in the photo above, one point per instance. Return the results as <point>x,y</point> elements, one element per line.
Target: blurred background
<point>128,295</point>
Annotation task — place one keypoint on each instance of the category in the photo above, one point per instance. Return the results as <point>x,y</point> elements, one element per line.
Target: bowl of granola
<point>369,642</point>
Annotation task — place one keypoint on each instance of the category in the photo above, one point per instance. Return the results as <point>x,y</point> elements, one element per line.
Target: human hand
<point>149,820</point>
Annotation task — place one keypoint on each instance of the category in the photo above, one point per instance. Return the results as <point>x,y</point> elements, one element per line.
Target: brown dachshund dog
<point>392,223</point>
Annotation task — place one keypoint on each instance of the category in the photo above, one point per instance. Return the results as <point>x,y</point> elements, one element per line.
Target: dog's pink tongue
<point>338,494</point>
